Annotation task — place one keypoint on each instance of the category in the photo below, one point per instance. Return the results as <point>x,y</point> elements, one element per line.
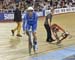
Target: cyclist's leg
<point>29,38</point>
<point>34,27</point>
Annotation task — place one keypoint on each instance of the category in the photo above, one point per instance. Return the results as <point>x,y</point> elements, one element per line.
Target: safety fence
<point>10,15</point>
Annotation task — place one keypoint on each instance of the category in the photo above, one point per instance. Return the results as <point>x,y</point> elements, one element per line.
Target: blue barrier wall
<point>10,16</point>
<point>1,16</point>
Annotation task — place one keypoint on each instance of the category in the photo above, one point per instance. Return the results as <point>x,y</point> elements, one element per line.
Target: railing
<point>9,15</point>
<point>6,10</point>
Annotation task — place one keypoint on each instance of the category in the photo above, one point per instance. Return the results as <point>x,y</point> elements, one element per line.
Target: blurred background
<point>39,5</point>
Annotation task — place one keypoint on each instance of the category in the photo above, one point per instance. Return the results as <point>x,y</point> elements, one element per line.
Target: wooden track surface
<point>14,48</point>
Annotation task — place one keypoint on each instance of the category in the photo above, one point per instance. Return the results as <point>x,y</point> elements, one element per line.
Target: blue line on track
<point>56,55</point>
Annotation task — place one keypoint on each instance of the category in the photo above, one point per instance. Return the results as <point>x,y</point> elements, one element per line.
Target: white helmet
<point>30,8</point>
